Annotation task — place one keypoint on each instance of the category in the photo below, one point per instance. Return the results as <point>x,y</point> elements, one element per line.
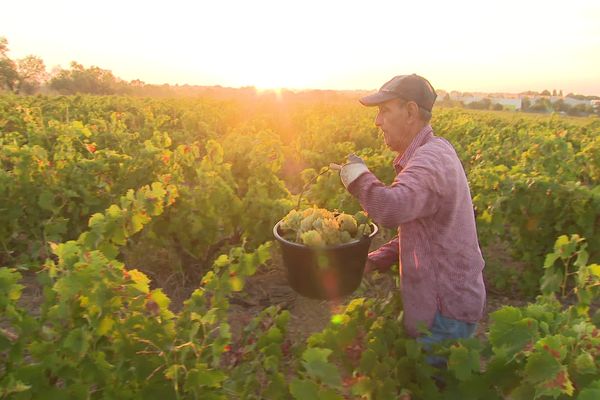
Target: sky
<point>465,45</point>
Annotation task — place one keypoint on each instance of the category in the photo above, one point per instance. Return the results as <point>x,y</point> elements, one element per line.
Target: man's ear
<point>413,111</point>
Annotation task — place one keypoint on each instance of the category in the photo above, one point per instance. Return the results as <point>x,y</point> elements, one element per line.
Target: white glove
<point>354,168</point>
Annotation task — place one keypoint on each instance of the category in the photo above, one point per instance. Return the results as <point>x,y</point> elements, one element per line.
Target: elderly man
<point>430,205</point>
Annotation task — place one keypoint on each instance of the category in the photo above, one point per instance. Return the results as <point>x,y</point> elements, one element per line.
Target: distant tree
<point>541,105</point>
<point>483,104</point>
<point>580,110</point>
<point>136,83</point>
<point>554,92</point>
<point>446,101</point>
<point>560,106</point>
<point>31,74</point>
<point>545,93</point>
<point>582,97</point>
<point>525,104</point>
<point>93,80</point>
<point>560,93</point>
<point>497,107</point>
<point>8,68</point>
<point>3,46</point>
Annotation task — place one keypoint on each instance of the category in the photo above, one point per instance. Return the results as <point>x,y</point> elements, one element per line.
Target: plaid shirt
<point>430,205</point>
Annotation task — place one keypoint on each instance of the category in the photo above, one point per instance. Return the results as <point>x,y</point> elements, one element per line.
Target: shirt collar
<point>422,137</point>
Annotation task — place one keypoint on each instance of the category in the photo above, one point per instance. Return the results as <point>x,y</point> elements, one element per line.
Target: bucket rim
<point>330,247</point>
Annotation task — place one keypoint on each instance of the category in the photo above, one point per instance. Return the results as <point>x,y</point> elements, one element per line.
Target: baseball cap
<point>407,87</point>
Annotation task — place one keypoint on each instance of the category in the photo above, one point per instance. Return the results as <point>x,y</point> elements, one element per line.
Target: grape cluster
<point>318,227</point>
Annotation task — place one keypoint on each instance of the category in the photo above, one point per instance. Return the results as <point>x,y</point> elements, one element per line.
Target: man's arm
<point>414,194</point>
<point>384,257</point>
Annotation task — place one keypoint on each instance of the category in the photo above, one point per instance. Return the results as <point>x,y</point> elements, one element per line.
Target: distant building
<point>467,99</point>
<point>514,104</point>
<point>508,102</point>
<point>575,102</point>
<point>514,101</point>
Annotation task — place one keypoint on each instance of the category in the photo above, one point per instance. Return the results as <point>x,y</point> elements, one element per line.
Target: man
<point>430,205</point>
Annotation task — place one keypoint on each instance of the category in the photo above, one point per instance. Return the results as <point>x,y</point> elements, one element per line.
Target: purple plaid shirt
<point>430,205</point>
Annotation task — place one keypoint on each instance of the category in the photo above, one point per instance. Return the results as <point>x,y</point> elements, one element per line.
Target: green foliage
<point>208,209</point>
<point>215,174</point>
<point>567,273</point>
<point>103,332</point>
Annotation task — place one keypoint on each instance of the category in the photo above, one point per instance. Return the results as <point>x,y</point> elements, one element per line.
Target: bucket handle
<point>327,169</point>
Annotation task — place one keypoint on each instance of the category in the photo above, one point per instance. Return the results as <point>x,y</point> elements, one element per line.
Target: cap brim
<point>377,98</point>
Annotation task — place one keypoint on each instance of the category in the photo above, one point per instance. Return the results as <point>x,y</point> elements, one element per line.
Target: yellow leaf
<point>237,284</point>
<point>105,325</point>
<point>160,298</point>
<point>354,304</point>
<point>140,281</point>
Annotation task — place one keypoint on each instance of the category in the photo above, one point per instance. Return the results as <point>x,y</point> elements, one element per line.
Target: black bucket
<point>324,273</point>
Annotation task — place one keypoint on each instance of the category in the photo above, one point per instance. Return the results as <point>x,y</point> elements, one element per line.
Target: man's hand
<point>354,168</point>
<point>371,267</point>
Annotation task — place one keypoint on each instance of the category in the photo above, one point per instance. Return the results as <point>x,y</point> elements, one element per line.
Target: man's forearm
<point>386,256</point>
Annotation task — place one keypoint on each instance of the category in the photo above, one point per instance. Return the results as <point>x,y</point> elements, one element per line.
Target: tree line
<point>25,75</point>
<point>29,75</point>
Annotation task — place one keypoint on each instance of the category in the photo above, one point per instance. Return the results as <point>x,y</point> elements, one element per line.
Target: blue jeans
<point>445,328</point>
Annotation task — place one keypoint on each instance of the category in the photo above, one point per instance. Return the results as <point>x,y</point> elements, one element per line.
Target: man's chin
<point>389,145</point>
<point>385,139</point>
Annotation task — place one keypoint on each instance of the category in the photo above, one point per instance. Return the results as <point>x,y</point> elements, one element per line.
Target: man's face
<point>393,120</point>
